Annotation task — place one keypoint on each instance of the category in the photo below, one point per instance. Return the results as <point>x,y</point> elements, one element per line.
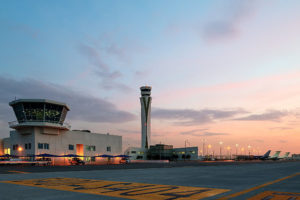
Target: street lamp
<point>236,149</point>
<point>209,147</point>
<point>249,147</point>
<point>220,149</point>
<point>186,141</point>
<point>229,151</point>
<point>203,147</point>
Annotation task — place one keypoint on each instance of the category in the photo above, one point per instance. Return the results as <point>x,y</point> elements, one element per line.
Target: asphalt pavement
<point>180,181</point>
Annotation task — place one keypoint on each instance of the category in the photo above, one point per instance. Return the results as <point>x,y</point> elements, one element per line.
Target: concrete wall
<point>1,147</point>
<point>25,137</point>
<point>59,144</point>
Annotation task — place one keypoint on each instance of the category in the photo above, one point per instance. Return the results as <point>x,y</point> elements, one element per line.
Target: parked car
<point>77,161</point>
<point>124,161</point>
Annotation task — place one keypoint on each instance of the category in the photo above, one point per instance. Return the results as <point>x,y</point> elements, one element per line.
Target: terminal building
<point>40,129</point>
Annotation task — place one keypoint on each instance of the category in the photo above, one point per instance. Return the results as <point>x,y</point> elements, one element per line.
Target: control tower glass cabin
<point>39,112</point>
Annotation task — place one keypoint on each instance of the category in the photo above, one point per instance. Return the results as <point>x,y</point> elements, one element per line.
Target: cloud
<point>21,28</point>
<point>199,133</point>
<point>259,141</point>
<point>189,117</point>
<point>93,56</point>
<point>270,115</point>
<point>282,141</point>
<point>83,106</point>
<point>129,131</point>
<point>281,128</point>
<point>228,26</point>
<point>109,78</point>
<point>117,51</point>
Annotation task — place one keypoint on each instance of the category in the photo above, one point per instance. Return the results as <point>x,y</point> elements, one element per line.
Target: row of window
<point>43,146</point>
<point>135,152</point>
<point>178,152</point>
<point>47,146</point>
<point>89,148</point>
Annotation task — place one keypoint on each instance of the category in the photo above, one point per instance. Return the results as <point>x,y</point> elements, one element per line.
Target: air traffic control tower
<point>146,115</point>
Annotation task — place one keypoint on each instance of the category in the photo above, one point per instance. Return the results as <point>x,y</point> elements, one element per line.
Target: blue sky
<point>197,55</point>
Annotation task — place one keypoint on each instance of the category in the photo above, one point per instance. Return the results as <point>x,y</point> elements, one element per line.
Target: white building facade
<point>40,129</point>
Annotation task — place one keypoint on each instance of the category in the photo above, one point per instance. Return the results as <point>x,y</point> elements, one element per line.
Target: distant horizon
<point>220,71</point>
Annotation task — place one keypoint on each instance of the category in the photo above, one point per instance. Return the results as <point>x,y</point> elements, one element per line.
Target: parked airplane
<point>275,156</point>
<point>264,157</point>
<point>285,156</point>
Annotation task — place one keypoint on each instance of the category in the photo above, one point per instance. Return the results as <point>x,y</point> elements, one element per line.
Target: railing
<point>16,123</point>
<point>13,123</point>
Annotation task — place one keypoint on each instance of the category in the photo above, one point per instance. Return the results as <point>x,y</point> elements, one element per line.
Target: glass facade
<point>34,111</point>
<point>40,112</point>
<point>19,111</point>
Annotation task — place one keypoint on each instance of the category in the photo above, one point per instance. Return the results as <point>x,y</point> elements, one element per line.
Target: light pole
<point>186,141</point>
<point>220,149</point>
<point>229,152</point>
<point>203,147</point>
<point>209,147</point>
<point>249,147</point>
<point>236,149</point>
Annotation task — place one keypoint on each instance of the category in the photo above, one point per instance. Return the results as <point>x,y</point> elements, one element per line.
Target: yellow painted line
<point>276,195</point>
<point>137,191</point>
<point>20,172</point>
<point>257,187</point>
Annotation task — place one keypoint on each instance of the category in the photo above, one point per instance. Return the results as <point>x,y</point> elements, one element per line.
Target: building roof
<point>38,101</point>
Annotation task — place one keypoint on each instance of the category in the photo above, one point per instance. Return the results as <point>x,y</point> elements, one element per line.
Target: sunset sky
<point>219,70</point>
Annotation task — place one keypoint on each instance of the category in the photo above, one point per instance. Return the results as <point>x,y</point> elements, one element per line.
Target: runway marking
<point>20,172</point>
<point>273,195</point>
<point>137,191</point>
<point>257,187</point>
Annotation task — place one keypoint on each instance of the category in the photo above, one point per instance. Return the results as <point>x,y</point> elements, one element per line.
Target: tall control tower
<point>146,115</point>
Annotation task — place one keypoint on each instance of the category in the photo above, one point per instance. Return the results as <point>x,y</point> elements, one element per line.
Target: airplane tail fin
<point>267,154</point>
<point>286,155</point>
<point>276,154</point>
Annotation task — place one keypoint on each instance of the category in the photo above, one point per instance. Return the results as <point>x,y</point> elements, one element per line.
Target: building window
<point>71,147</point>
<point>133,152</point>
<point>93,148</point>
<point>88,148</point>
<point>40,146</point>
<point>7,151</point>
<point>46,146</point>
<point>15,147</point>
<point>108,149</point>
<point>28,146</point>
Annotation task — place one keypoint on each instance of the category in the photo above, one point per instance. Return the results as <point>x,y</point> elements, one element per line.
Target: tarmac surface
<point>175,181</point>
